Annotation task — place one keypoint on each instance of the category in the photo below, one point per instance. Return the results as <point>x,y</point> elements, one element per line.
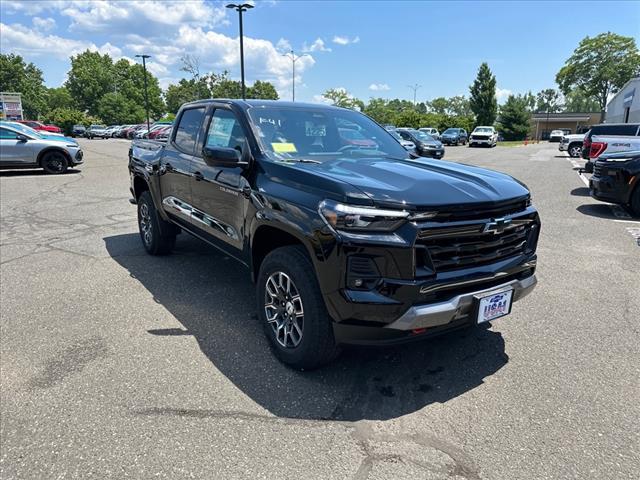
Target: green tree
<point>185,91</point>
<point>59,98</point>
<point>577,101</point>
<point>262,90</point>
<point>515,117</point>
<point>117,109</point>
<point>408,118</point>
<point>548,101</point>
<point>18,76</point>
<point>600,66</point>
<point>341,98</point>
<point>91,76</point>
<point>439,105</point>
<point>130,84</point>
<point>483,101</point>
<point>66,118</point>
<point>379,110</point>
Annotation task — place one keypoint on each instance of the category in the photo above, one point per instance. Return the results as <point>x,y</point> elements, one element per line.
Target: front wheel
<point>575,151</point>
<point>55,162</point>
<point>292,311</point>
<point>155,243</point>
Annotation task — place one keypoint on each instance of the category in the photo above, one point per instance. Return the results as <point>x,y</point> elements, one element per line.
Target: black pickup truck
<point>348,243</point>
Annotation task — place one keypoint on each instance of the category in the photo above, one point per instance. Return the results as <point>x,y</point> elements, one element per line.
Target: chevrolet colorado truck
<point>347,244</point>
<point>616,177</point>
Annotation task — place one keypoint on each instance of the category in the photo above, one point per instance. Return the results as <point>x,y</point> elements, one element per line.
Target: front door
<point>219,198</point>
<point>176,165</point>
<point>14,151</point>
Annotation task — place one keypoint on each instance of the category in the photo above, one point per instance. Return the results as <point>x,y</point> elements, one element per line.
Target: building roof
<point>564,117</point>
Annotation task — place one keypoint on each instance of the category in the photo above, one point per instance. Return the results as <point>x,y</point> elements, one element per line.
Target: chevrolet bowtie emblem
<point>497,225</point>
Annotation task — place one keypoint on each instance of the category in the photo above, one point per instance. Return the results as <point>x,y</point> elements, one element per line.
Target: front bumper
<point>563,147</point>
<point>78,158</point>
<point>450,141</point>
<point>432,152</point>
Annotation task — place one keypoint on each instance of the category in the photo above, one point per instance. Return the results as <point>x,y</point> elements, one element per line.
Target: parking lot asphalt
<point>115,364</point>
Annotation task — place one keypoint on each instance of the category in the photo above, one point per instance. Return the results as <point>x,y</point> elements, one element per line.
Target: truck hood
<point>418,183</point>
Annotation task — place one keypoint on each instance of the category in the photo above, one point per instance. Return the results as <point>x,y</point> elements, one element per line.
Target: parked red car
<point>40,126</point>
<point>154,134</point>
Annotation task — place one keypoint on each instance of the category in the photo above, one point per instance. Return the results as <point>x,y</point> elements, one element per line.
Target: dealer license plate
<point>494,305</point>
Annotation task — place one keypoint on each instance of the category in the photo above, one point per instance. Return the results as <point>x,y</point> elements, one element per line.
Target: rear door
<point>176,165</point>
<point>220,194</point>
<point>13,151</point>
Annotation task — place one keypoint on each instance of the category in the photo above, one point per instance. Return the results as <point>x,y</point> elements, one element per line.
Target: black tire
<point>317,345</point>
<point>150,231</point>
<point>634,204</point>
<point>54,162</point>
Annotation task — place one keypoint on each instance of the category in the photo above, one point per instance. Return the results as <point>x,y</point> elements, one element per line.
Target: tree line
<point>99,89</point>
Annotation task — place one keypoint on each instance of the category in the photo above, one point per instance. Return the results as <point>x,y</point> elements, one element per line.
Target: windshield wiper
<point>299,160</point>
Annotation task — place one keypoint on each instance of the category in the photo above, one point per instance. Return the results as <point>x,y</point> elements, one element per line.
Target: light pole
<point>241,7</point>
<point>415,89</point>
<point>146,96</point>
<point>294,58</point>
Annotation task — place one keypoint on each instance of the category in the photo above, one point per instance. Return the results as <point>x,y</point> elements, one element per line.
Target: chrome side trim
<point>213,225</point>
<point>178,207</point>
<point>436,314</point>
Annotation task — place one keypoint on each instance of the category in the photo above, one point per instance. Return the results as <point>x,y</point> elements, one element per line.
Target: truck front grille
<point>598,170</point>
<point>469,245</point>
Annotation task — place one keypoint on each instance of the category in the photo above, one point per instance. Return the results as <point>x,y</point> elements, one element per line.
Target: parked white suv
<point>483,136</point>
<point>572,144</point>
<point>431,131</point>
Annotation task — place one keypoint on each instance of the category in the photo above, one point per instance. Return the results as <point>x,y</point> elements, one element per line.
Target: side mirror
<point>224,157</point>
<point>22,138</point>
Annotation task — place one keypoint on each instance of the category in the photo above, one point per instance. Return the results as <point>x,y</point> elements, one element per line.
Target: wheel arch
<point>267,238</point>
<point>48,150</point>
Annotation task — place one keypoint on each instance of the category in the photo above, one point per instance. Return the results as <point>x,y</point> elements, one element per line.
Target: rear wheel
<point>54,162</point>
<point>575,150</point>
<point>153,239</point>
<point>292,310</point>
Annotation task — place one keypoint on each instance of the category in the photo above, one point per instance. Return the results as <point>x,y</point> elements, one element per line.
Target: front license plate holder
<point>493,305</point>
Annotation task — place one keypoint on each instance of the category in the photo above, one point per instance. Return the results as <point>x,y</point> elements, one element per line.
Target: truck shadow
<point>214,300</point>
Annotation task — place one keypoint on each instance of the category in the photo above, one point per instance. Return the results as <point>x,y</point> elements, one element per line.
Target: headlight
<point>350,218</point>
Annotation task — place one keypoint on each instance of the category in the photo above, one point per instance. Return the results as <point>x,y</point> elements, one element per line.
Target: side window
<point>404,135</point>
<point>225,131</point>
<point>188,128</point>
<point>7,134</point>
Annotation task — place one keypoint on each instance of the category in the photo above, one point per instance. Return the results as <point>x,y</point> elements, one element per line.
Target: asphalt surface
<point>115,364</point>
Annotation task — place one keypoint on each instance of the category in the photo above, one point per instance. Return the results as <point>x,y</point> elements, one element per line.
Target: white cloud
<point>502,94</point>
<point>321,99</point>
<point>262,59</point>
<point>379,87</point>
<point>284,45</point>
<point>317,46</point>
<point>343,40</point>
<point>43,24</point>
<point>20,39</point>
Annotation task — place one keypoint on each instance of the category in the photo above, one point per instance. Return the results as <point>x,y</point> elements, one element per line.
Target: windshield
<point>483,130</point>
<point>451,131</point>
<point>396,135</point>
<point>23,128</point>
<point>290,133</point>
<point>95,127</point>
<point>422,136</point>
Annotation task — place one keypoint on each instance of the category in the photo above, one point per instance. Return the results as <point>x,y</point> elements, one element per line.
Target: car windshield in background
<point>293,133</point>
<point>23,128</point>
<point>395,134</point>
<point>422,136</point>
<point>483,130</point>
<point>451,131</point>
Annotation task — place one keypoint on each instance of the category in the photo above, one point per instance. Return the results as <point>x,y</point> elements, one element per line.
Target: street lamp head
<point>143,56</point>
<point>240,7</point>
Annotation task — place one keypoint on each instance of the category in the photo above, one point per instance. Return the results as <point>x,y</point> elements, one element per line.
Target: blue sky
<point>369,48</point>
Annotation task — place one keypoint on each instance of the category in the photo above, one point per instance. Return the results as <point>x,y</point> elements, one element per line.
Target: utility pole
<point>294,58</point>
<point>243,7</point>
<point>146,95</point>
<point>415,89</point>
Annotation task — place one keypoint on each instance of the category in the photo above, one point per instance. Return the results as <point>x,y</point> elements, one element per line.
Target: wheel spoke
<point>283,309</point>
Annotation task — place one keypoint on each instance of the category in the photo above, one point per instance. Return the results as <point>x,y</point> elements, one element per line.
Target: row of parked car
<point>158,130</point>
<point>612,151</point>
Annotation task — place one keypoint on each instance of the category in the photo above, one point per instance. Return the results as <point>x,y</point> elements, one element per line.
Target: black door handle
<point>198,176</point>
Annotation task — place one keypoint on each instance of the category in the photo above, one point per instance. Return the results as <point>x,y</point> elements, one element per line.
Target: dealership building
<point>624,107</point>
<point>542,124</point>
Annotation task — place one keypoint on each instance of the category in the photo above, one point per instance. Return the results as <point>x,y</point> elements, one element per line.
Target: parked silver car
<point>23,147</point>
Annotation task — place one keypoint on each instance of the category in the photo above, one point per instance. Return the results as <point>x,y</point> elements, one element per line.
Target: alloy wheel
<point>55,162</point>
<point>283,309</point>
<point>575,152</point>
<point>145,224</point>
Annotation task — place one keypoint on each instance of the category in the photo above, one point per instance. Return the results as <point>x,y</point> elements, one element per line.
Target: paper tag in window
<point>284,147</point>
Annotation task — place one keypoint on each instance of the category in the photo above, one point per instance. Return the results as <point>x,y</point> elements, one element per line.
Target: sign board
<point>11,106</point>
